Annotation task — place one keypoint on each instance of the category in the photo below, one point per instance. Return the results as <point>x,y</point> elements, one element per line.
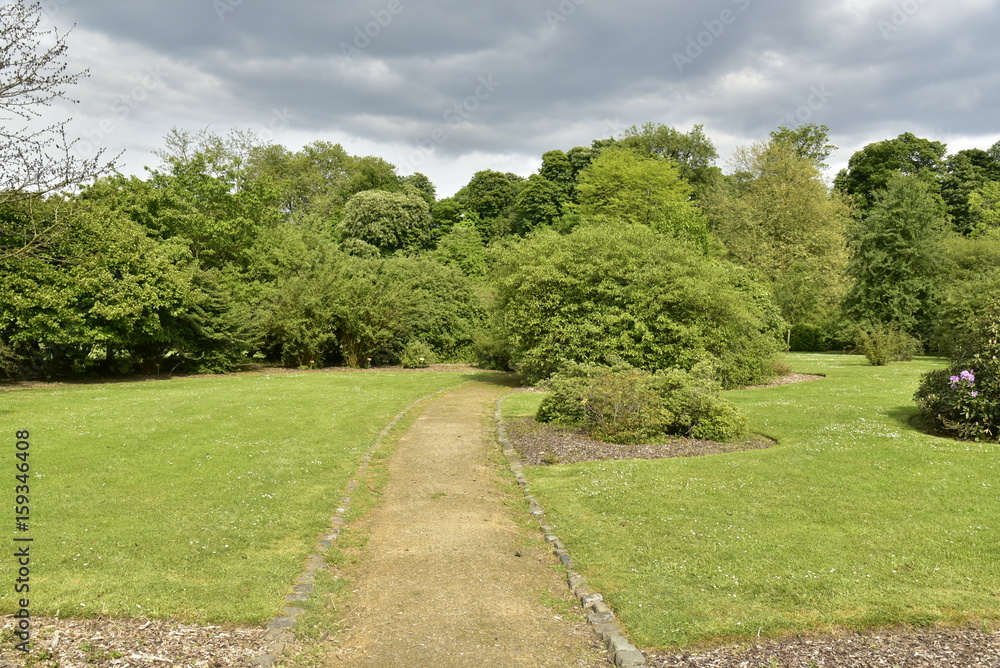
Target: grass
<point>196,499</point>
<point>856,519</point>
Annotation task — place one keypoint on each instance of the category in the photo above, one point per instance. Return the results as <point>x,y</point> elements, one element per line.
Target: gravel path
<point>449,578</point>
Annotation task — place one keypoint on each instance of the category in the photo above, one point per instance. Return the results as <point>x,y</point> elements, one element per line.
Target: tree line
<point>635,249</point>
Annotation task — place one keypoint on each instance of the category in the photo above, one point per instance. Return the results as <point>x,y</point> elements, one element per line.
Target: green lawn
<point>855,519</point>
<point>190,498</point>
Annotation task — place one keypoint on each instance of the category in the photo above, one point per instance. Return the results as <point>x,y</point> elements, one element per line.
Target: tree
<point>693,152</point>
<point>388,221</point>
<point>541,202</point>
<point>810,141</point>
<point>967,172</point>
<point>36,161</point>
<point>491,196</point>
<point>625,186</point>
<point>609,293</point>
<point>870,169</point>
<point>896,256</point>
<point>779,219</point>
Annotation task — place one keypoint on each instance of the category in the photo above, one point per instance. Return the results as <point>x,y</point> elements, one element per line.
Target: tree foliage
<point>389,221</point>
<point>779,219</point>
<point>896,256</point>
<point>639,297</point>
<point>622,185</point>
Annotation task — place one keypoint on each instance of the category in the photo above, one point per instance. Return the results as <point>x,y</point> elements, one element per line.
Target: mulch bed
<point>540,444</point>
<point>128,643</point>
<point>966,648</point>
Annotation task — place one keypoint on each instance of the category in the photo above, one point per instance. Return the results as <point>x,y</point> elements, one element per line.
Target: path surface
<point>448,577</point>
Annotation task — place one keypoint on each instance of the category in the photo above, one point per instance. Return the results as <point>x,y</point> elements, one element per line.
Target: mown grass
<point>855,519</point>
<point>196,499</point>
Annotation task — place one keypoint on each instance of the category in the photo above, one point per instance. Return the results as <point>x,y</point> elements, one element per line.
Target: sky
<point>449,88</point>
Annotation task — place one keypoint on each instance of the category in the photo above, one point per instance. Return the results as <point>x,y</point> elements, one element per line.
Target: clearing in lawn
<point>854,519</point>
<point>194,498</point>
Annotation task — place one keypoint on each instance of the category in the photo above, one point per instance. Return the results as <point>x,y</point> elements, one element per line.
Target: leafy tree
<point>491,196</point>
<point>463,247</point>
<point>779,219</point>
<point>639,297</point>
<point>36,160</point>
<point>870,169</point>
<point>968,173</point>
<point>984,208</point>
<point>810,141</point>
<point>423,185</point>
<point>388,221</point>
<point>623,185</point>
<point>556,168</point>
<point>540,203</point>
<point>896,256</point>
<point>693,152</point>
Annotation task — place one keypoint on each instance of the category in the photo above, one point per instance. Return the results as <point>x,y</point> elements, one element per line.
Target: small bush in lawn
<point>808,338</point>
<point>883,344</point>
<point>965,397</point>
<point>417,355</point>
<point>622,404</point>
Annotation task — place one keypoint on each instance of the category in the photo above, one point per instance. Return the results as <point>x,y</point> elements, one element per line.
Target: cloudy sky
<point>449,88</point>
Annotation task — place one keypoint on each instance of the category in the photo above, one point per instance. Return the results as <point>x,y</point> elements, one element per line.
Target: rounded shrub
<point>612,291</point>
<point>965,398</point>
<point>622,404</point>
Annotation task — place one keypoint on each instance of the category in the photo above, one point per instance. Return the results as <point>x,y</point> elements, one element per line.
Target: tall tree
<point>626,186</point>
<point>896,255</point>
<point>779,219</point>
<point>810,141</point>
<point>693,152</point>
<point>967,172</point>
<point>870,169</point>
<point>388,221</point>
<point>491,196</point>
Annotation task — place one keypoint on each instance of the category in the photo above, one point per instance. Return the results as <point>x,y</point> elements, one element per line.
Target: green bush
<point>609,292</point>
<point>417,355</point>
<point>622,404</point>
<point>965,397</point>
<point>883,344</point>
<point>806,338</point>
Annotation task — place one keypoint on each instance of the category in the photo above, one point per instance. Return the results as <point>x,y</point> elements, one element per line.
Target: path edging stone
<point>600,617</point>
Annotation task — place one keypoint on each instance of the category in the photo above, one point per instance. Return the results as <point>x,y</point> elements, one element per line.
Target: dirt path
<point>449,578</point>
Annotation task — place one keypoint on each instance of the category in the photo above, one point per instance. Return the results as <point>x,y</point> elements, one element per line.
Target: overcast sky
<point>449,88</point>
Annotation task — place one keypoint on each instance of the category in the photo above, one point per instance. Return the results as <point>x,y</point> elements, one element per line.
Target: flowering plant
<point>965,398</point>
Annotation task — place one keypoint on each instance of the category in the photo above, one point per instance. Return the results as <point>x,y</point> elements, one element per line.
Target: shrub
<point>622,404</point>
<point>417,355</point>
<point>806,338</point>
<point>883,344</point>
<point>965,397</point>
<point>609,292</point>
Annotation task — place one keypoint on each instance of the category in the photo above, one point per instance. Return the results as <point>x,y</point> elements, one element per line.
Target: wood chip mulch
<point>131,643</point>
<point>541,444</point>
<point>965,648</point>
